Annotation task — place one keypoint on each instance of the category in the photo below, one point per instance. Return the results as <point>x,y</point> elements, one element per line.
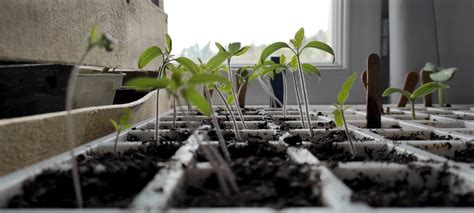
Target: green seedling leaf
<point>216,61</point>
<point>196,99</point>
<point>124,120</point>
<point>234,47</point>
<point>208,78</point>
<point>338,117</point>
<point>114,124</point>
<point>429,67</point>
<point>107,42</point>
<point>282,59</point>
<point>293,63</point>
<point>427,89</point>
<point>242,51</point>
<point>298,40</point>
<point>143,83</point>
<point>230,99</point>
<point>94,35</point>
<point>321,46</point>
<point>392,90</point>
<point>220,47</point>
<point>148,55</point>
<point>346,88</point>
<point>188,64</point>
<point>271,49</point>
<point>443,75</point>
<point>169,44</point>
<point>310,69</point>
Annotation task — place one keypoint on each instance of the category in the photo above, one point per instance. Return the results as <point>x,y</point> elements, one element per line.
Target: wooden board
<point>411,79</point>
<point>374,96</point>
<point>425,78</point>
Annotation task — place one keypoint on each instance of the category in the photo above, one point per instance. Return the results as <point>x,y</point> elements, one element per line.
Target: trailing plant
<point>440,75</point>
<point>341,107</point>
<point>148,56</point>
<point>234,49</point>
<point>423,90</point>
<point>96,39</point>
<point>296,46</point>
<point>122,124</point>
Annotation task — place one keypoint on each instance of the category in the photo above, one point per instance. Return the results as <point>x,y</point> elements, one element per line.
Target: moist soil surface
<point>230,136</point>
<point>402,195</point>
<point>334,153</point>
<point>419,136</point>
<point>173,135</point>
<point>283,126</point>
<point>466,155</point>
<point>263,182</point>
<point>251,149</point>
<point>107,180</point>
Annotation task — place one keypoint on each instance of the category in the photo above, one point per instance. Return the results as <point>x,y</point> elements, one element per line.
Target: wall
<point>56,31</point>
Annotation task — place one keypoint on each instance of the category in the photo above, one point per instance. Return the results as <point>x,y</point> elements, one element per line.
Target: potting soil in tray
<point>178,135</point>
<point>230,136</point>
<point>263,182</point>
<point>402,195</point>
<point>107,180</point>
<point>333,152</point>
<point>419,136</point>
<point>256,149</point>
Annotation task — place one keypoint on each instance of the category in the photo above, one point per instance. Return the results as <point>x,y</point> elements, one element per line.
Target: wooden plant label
<point>411,79</point>
<point>425,78</point>
<point>374,96</point>
<point>363,78</point>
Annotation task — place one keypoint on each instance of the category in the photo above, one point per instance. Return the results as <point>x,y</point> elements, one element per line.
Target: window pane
<point>196,25</point>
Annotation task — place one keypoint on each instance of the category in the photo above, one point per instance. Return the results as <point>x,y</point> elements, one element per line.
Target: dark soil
<point>402,195</point>
<point>256,149</point>
<point>419,136</point>
<point>466,155</point>
<point>230,137</point>
<point>263,182</point>
<point>333,152</point>
<point>174,135</point>
<point>286,126</point>
<point>107,180</point>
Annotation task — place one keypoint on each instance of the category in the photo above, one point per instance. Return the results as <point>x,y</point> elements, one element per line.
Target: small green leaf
<point>321,46</point>
<point>234,47</point>
<point>114,124</point>
<point>216,61</point>
<point>220,47</point>
<point>429,67</point>
<point>230,99</point>
<point>94,35</point>
<point>392,90</point>
<point>271,49</point>
<point>242,51</point>
<point>124,120</point>
<point>338,117</point>
<point>169,44</point>
<point>196,99</point>
<point>427,89</point>
<point>282,59</point>
<point>299,36</point>
<point>443,75</point>
<point>143,83</point>
<point>293,63</point>
<point>148,55</point>
<point>188,64</point>
<point>207,78</point>
<point>346,88</point>
<point>310,69</point>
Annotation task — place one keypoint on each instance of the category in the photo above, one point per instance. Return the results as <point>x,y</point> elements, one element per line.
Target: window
<point>196,25</point>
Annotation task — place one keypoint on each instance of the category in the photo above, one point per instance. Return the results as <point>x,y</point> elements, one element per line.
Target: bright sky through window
<point>195,24</point>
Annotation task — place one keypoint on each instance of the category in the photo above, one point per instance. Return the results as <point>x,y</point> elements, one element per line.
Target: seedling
<point>148,56</point>
<point>234,49</point>
<point>423,90</point>
<point>99,40</point>
<point>340,108</point>
<point>440,75</point>
<point>120,125</point>
<point>296,46</point>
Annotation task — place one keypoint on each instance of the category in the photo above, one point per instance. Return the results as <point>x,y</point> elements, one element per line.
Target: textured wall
<point>56,30</point>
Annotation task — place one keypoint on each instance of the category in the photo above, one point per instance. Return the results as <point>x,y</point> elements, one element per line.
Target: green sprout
<point>296,46</point>
<point>423,90</point>
<point>166,58</point>
<point>340,108</point>
<point>120,125</point>
<point>440,75</point>
<point>102,41</point>
<point>234,49</point>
